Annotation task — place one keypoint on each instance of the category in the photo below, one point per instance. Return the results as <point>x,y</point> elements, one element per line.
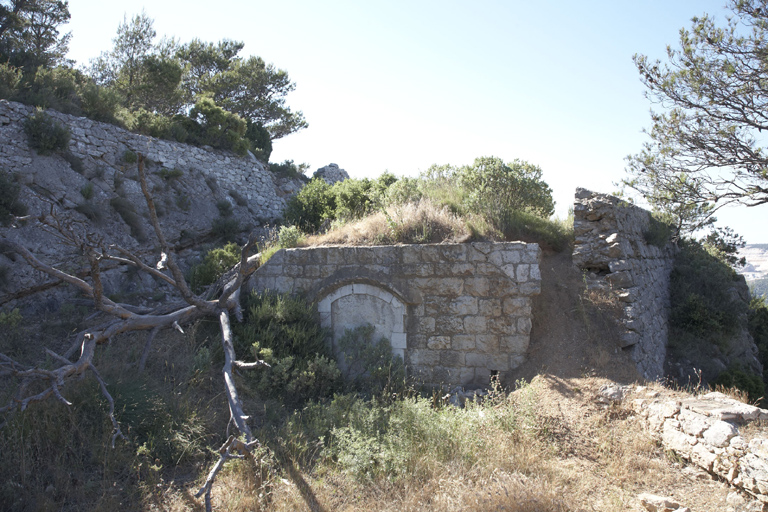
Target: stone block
<point>511,255</point>
<point>439,342</point>
<point>477,286</point>
<point>398,340</point>
<point>475,325</point>
<point>499,362</point>
<point>474,359</point>
<point>516,306</point>
<point>487,343</point>
<point>463,342</point>
<point>524,325</point>
<point>422,357</point>
<point>449,325</point>
<point>426,325</point>
<point>451,358</point>
<point>463,306</point>
<point>517,344</point>
<point>489,307</point>
<point>449,286</point>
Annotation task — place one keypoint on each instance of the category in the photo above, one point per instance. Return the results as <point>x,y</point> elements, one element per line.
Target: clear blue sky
<point>400,85</point>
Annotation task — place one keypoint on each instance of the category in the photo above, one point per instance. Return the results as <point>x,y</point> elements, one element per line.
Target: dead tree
<point>220,300</point>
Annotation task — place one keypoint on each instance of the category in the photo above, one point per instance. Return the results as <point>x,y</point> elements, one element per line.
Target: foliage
<point>514,186</point>
<point>10,80</point>
<point>369,363</point>
<point>225,228</point>
<point>10,205</point>
<point>312,205</point>
<point>11,319</point>
<point>215,262</point>
<point>737,378</point>
<point>703,304</point>
<point>130,157</point>
<point>46,135</point>
<point>288,169</point>
<point>758,327</point>
<point>30,36</point>
<point>724,244</point>
<point>127,212</point>
<point>660,230</point>
<point>87,191</point>
<point>706,149</point>
<point>289,237</point>
<point>170,174</point>
<point>214,126</point>
<point>283,331</point>
<point>224,207</point>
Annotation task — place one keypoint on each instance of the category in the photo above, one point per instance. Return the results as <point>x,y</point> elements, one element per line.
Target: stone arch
<point>357,304</point>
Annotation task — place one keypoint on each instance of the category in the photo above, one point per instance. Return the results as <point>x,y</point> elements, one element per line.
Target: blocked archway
<point>358,304</point>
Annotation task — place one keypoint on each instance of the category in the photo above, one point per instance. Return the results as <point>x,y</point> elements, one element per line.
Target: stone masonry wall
<point>611,249</point>
<point>456,313</point>
<point>105,142</point>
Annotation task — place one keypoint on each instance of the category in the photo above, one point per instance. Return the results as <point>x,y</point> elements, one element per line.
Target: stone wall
<point>611,249</point>
<point>705,431</point>
<point>456,313</point>
<point>105,143</point>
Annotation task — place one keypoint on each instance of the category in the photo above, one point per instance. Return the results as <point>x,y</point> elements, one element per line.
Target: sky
<point>400,85</point>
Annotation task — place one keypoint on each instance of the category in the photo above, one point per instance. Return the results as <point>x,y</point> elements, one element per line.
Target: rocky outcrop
<point>331,174</point>
<point>612,251</point>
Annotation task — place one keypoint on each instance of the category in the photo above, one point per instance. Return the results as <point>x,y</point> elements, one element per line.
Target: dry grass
<point>413,223</point>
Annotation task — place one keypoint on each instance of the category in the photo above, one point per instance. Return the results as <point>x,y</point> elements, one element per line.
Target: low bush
<point>289,237</point>
<point>238,198</point>
<point>127,212</point>
<point>224,207</point>
<point>283,331</point>
<point>45,134</point>
<point>170,174</point>
<point>215,262</point>
<point>91,211</point>
<point>288,169</point>
<point>130,157</point>
<point>87,191</point>
<point>744,381</point>
<point>368,364</point>
<point>225,228</point>
<point>659,231</point>
<point>10,80</point>
<point>10,204</point>
<point>74,162</point>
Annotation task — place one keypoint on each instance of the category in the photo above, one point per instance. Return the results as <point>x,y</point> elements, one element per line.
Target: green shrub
<point>183,202</point>
<point>752,384</point>
<point>224,207</point>
<point>284,331</point>
<point>11,318</point>
<point>170,174</point>
<point>130,157</point>
<point>101,104</point>
<point>758,327</point>
<point>128,213</point>
<point>703,304</point>
<point>10,80</point>
<point>659,231</point>
<point>10,204</point>
<point>225,228</point>
<point>87,191</point>
<point>213,126</point>
<point>90,210</point>
<point>74,162</point>
<point>369,363</point>
<point>45,134</point>
<point>312,205</point>
<point>288,169</point>
<point>289,236</point>
<point>214,264</point>
<point>238,198</point>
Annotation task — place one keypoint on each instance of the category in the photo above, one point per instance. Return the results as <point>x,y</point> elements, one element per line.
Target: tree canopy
<point>707,148</point>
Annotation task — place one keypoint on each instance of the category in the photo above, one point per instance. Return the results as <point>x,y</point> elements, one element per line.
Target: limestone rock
<point>331,174</point>
<point>653,503</point>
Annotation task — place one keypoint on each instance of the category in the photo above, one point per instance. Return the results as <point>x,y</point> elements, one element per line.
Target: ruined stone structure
<point>456,313</point>
<point>611,248</point>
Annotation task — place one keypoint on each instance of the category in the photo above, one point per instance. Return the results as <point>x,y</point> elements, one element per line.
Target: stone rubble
<point>705,431</point>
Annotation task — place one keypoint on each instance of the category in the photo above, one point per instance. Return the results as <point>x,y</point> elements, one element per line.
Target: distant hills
<point>756,269</point>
